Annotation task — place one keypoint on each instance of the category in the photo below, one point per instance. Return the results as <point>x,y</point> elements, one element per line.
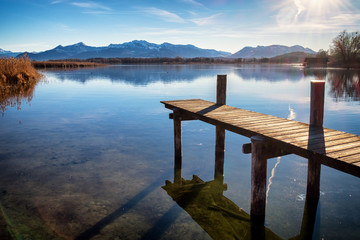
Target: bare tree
<point>346,48</point>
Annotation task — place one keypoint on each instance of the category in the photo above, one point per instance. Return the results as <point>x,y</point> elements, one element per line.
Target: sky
<point>225,25</point>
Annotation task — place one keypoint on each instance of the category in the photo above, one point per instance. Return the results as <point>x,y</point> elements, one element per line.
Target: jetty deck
<point>336,149</point>
<point>270,136</point>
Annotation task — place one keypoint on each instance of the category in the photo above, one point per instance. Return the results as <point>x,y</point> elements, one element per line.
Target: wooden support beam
<point>258,179</point>
<point>274,152</point>
<point>183,117</point>
<point>177,147</point>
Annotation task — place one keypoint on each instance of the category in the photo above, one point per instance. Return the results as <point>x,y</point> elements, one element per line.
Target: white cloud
<point>164,15</point>
<point>300,8</point>
<point>206,20</point>
<point>193,2</point>
<point>57,1</point>
<point>91,5</point>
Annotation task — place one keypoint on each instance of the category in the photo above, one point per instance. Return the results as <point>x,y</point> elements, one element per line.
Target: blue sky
<point>226,25</point>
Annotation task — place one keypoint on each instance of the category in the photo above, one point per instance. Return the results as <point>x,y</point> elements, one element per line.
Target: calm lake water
<point>88,154</point>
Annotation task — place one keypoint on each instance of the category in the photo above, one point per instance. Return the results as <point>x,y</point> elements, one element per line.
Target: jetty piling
<point>177,146</point>
<point>271,137</point>
<point>317,99</point>
<point>220,131</point>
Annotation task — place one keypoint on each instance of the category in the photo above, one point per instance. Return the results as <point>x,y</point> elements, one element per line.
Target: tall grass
<point>18,79</point>
<point>17,70</point>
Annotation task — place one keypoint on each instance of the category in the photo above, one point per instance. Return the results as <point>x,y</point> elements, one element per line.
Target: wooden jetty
<point>271,136</point>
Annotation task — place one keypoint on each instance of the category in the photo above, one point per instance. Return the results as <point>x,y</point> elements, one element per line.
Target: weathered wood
<point>273,152</point>
<point>314,170</point>
<point>258,179</point>
<point>220,132</point>
<point>177,146</point>
<point>291,136</point>
<point>317,102</point>
<point>219,152</point>
<point>221,90</point>
<point>182,117</point>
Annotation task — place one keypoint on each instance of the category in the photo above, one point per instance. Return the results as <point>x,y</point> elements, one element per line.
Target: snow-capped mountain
<point>134,49</point>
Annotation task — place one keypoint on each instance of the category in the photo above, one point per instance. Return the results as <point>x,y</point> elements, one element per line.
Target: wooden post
<point>316,120</point>
<point>221,90</point>
<point>317,103</point>
<point>220,132</point>
<point>258,179</point>
<point>177,147</point>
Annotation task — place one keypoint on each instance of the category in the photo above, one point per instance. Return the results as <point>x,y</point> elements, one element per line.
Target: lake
<point>87,153</point>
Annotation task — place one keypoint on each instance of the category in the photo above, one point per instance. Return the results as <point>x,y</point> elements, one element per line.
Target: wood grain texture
<point>336,149</point>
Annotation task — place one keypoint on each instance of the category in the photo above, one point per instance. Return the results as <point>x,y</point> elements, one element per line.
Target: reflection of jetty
<point>270,137</point>
<point>220,217</point>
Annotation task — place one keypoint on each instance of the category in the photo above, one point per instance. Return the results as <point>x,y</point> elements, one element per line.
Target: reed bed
<point>65,64</point>
<point>18,79</point>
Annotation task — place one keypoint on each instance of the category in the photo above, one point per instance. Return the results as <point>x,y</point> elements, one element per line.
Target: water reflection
<point>14,93</point>
<point>140,74</point>
<point>345,85</point>
<point>146,74</point>
<point>220,217</point>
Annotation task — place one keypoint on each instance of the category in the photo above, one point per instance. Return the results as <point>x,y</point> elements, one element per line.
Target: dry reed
<point>18,79</point>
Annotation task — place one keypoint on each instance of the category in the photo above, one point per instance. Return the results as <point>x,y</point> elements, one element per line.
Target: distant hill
<point>4,53</point>
<point>134,49</point>
<point>269,51</point>
<point>294,57</point>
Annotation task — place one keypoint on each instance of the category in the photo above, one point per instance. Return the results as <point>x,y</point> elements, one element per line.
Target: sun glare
<point>322,7</point>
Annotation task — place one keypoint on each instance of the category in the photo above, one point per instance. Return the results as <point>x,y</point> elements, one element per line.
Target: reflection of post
<point>178,147</point>
<point>316,120</point>
<point>220,132</point>
<point>258,179</point>
<point>309,217</point>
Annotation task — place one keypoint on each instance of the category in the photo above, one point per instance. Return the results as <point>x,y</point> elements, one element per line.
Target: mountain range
<point>144,49</point>
<point>269,51</point>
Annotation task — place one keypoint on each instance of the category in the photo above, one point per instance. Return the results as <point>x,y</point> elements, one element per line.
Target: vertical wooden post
<point>220,132</point>
<point>258,179</point>
<point>316,120</point>
<point>177,147</point>
<point>317,96</point>
<point>221,90</point>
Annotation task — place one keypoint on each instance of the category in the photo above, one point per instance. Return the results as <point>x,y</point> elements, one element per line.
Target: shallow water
<point>88,154</point>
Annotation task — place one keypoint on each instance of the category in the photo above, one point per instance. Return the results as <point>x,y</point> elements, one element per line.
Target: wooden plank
<point>350,159</point>
<point>335,148</point>
<point>321,140</point>
<point>357,164</point>
<point>288,132</point>
<point>306,137</point>
<point>342,145</point>
<point>253,121</point>
<point>333,142</point>
<point>280,130</point>
<point>304,134</point>
<point>267,126</point>
<point>344,153</point>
